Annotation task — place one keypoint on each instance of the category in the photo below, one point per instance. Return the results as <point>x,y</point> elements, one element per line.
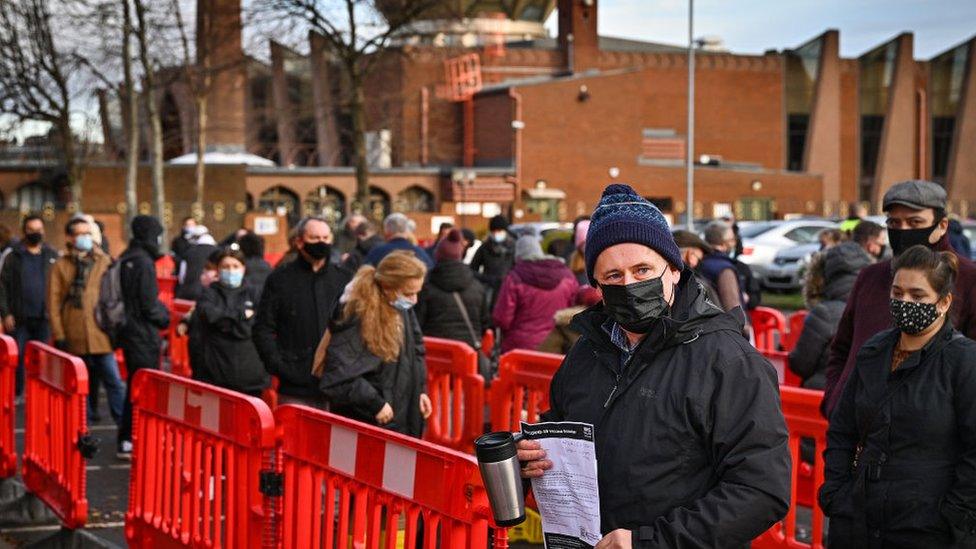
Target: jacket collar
<point>882,349</point>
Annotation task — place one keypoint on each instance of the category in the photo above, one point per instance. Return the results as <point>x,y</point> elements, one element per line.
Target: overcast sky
<point>754,26</point>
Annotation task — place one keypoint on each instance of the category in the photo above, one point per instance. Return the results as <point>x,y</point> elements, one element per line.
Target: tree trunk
<point>155,122</point>
<point>201,150</point>
<point>357,114</point>
<point>70,163</point>
<point>131,105</point>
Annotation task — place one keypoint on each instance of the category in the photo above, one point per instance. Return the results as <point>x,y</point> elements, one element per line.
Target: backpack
<point>110,309</point>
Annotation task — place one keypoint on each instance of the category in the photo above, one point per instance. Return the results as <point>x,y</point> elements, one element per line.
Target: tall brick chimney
<point>578,39</point>
<point>219,40</point>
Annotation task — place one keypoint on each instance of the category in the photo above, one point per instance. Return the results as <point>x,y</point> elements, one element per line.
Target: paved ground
<point>108,484</point>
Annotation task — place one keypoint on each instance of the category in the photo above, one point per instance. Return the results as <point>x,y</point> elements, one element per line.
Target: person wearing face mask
<point>719,268</point>
<point>916,213</point>
<point>691,444</point>
<point>373,362</point>
<point>23,304</point>
<point>73,289</point>
<point>225,315</point>
<point>495,257</point>
<point>297,303</point>
<point>900,463</point>
<point>145,314</point>
<point>693,251</point>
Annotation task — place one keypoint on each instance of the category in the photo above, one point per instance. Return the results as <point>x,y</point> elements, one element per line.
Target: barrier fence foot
<point>72,539</point>
<point>18,507</point>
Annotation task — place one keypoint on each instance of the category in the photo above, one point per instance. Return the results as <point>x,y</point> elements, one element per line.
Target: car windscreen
<point>756,229</point>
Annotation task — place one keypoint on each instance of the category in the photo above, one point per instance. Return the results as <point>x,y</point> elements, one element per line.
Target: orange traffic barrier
<point>273,259</point>
<point>767,323</point>
<point>521,391</point>
<point>781,363</point>
<point>201,455</point>
<point>8,369</point>
<point>167,289</point>
<point>346,483</point>
<point>56,438</point>
<point>179,349</point>
<point>488,342</point>
<point>795,324</point>
<point>457,393</point>
<point>801,407</point>
<point>165,266</point>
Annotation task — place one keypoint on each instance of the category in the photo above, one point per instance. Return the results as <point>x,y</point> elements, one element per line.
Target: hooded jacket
<point>230,359</point>
<point>691,443</point>
<point>358,383</point>
<point>914,484</point>
<point>866,314</point>
<point>256,271</point>
<point>437,310</point>
<point>562,337</point>
<point>296,307</point>
<point>11,287</point>
<point>493,260</point>
<point>529,297</point>
<point>145,314</point>
<point>840,264</point>
<point>194,261</point>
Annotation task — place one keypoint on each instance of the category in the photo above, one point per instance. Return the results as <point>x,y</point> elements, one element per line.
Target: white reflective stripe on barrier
<point>342,450</point>
<point>179,400</point>
<point>399,469</point>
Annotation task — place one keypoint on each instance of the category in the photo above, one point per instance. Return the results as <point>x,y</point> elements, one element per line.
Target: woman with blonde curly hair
<point>374,369</point>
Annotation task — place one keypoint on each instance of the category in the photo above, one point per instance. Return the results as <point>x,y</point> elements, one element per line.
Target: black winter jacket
<point>841,264</point>
<point>11,290</point>
<point>691,443</point>
<point>358,383</point>
<point>437,310</point>
<point>296,307</point>
<point>145,314</point>
<point>194,261</point>
<point>915,480</point>
<point>493,260</point>
<point>230,359</point>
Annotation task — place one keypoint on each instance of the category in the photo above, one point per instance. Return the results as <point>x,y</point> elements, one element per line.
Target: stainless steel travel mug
<point>498,460</point>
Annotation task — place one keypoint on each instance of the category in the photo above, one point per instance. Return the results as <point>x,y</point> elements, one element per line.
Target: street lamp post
<point>690,176</point>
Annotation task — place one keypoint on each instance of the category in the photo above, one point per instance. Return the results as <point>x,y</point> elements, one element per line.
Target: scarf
<point>83,266</point>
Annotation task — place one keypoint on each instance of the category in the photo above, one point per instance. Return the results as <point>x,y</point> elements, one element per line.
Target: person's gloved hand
<point>61,345</point>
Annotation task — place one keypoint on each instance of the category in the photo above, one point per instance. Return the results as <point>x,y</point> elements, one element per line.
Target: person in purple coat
<point>536,287</point>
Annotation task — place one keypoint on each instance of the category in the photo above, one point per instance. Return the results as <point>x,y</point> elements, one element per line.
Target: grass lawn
<point>783,302</point>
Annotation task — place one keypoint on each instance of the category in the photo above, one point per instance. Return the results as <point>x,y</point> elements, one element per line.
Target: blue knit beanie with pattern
<point>625,216</point>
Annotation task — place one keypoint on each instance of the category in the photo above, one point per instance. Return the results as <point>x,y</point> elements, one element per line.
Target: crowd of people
<point>692,446</point>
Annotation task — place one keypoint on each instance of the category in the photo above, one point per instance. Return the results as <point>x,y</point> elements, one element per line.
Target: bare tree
<point>198,80</point>
<point>152,108</point>
<point>130,103</point>
<point>359,33</point>
<point>36,78</point>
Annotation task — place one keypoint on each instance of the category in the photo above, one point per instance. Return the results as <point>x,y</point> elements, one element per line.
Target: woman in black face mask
<point>901,447</point>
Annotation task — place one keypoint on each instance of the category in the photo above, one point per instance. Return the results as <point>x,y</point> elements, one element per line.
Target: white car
<point>762,241</point>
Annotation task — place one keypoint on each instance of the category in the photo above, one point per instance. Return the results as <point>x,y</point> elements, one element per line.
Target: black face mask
<point>902,239</point>
<point>636,307</point>
<point>33,239</point>
<point>317,250</point>
<point>913,318</point>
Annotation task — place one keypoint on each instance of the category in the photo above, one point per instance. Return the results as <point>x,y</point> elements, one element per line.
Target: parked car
<point>969,229</point>
<point>789,266</point>
<point>540,228</point>
<point>761,241</point>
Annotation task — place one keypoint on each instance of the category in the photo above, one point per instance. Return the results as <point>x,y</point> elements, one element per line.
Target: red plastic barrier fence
<point>179,349</point>
<point>795,322</point>
<point>488,342</point>
<point>167,289</point>
<point>457,393</point>
<point>273,259</point>
<point>120,361</point>
<point>56,397</point>
<point>781,362</point>
<point>348,483</point>
<point>200,455</point>
<point>767,323</point>
<point>8,369</point>
<point>165,267</point>
<point>801,407</point>
<point>521,391</point>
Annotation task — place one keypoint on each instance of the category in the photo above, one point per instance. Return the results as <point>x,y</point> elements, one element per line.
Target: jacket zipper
<point>612,391</point>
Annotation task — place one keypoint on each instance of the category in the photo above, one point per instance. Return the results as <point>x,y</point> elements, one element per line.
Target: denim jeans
<point>28,329</point>
<point>105,371</point>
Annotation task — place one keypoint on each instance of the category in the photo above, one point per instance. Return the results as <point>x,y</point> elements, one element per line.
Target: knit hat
<point>528,248</point>
<point>624,216</point>
<point>450,247</point>
<point>498,223</point>
<point>146,228</point>
<point>580,237</point>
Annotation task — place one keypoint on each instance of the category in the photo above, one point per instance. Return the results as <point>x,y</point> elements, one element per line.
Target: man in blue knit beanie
<point>691,442</point>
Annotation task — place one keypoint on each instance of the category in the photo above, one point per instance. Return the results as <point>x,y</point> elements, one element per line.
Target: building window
<point>871,128</point>
<point>948,71</point>
<point>37,196</point>
<point>379,204</point>
<point>281,201</point>
<point>326,202</point>
<point>802,71</point>
<point>877,69</point>
<point>415,199</point>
